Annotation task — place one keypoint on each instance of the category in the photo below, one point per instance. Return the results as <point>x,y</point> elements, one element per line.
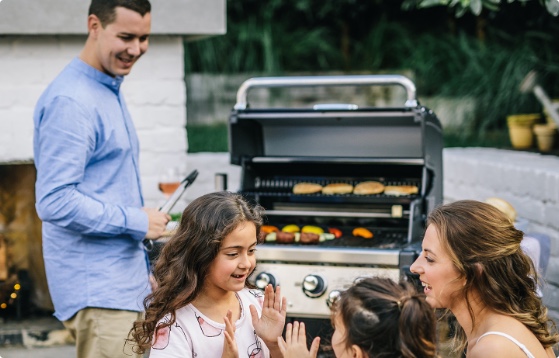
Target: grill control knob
<point>314,286</point>
<point>263,279</point>
<point>333,296</point>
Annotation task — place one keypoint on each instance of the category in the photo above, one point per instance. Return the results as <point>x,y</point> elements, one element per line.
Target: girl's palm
<point>270,325</point>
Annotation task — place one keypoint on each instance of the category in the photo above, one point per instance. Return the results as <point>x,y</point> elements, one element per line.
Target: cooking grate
<point>382,239</point>
<point>282,187</point>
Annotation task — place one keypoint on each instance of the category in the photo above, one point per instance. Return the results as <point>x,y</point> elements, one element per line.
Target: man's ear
<point>93,24</point>
<point>357,352</point>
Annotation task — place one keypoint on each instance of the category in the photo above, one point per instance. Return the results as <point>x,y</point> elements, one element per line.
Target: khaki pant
<point>102,333</point>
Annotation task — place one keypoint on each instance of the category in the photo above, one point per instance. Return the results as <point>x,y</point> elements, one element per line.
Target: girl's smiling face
<point>439,277</point>
<point>234,262</point>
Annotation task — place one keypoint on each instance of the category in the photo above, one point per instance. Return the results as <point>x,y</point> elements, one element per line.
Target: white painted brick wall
<point>529,181</point>
<point>155,93</point>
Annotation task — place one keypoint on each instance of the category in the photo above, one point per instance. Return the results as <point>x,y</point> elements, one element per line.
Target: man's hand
<point>230,349</point>
<point>295,344</point>
<point>157,223</point>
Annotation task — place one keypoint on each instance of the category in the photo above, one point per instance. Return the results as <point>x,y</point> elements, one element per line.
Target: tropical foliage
<point>483,57</point>
<point>476,6</point>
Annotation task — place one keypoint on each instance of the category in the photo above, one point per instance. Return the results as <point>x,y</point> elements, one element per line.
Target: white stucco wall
<point>191,18</point>
<point>155,93</point>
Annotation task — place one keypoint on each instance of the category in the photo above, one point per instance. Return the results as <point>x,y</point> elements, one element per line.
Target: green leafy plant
<point>207,138</point>
<point>446,55</point>
<point>475,6</point>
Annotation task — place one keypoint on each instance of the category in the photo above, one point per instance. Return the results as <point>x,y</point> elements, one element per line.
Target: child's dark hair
<point>387,319</point>
<point>185,260</point>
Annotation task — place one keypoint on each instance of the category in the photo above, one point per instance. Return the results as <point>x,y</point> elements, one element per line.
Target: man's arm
<point>65,144</point>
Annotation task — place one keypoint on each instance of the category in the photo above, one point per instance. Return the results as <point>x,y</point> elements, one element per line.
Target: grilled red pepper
<point>337,232</point>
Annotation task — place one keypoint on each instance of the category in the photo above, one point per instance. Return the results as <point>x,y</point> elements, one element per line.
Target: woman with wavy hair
<point>472,264</point>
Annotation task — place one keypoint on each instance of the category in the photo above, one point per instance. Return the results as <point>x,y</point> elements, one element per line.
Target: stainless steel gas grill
<point>280,148</point>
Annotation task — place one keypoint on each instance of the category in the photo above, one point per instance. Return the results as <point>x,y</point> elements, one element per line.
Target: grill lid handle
<point>312,81</point>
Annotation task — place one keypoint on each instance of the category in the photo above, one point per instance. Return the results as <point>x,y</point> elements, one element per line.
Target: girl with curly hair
<point>201,305</point>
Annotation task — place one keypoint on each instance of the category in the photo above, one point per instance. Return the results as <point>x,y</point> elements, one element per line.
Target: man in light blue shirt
<point>88,184</point>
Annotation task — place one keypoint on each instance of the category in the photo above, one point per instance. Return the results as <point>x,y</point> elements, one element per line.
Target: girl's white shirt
<point>195,335</point>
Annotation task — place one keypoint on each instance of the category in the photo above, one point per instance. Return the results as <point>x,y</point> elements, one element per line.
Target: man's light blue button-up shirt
<point>88,193</point>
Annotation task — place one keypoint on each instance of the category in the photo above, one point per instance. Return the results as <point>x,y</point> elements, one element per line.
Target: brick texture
<point>529,181</point>
<point>155,94</point>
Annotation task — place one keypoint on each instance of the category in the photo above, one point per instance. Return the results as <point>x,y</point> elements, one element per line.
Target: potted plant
<point>545,136</point>
<point>520,129</point>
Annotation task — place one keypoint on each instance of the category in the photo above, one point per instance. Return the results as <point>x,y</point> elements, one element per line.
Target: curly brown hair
<point>387,319</point>
<point>185,260</point>
<point>484,246</point>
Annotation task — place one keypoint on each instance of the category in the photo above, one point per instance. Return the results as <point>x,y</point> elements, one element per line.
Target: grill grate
<point>279,184</point>
<point>383,239</point>
<point>279,187</point>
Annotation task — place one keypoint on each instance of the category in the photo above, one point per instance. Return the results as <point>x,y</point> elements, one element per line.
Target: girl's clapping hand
<point>295,344</point>
<point>270,325</point>
<point>230,349</point>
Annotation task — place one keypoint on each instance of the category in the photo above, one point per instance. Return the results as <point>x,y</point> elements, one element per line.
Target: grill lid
<point>332,131</point>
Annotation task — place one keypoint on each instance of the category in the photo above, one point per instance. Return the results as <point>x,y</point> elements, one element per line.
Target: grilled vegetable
<point>312,229</point>
<point>290,228</point>
<point>362,232</point>
<point>326,236</point>
<point>337,232</point>
<point>268,229</point>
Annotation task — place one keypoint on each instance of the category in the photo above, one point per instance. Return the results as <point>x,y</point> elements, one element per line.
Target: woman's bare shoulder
<point>494,345</point>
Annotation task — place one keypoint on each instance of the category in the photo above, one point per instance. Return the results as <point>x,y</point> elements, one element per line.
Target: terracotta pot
<point>520,129</point>
<point>545,136</point>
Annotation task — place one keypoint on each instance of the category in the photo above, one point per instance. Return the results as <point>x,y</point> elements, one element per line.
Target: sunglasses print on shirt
<point>207,329</point>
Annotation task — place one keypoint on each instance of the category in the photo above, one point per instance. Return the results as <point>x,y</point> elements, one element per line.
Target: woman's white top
<point>512,339</point>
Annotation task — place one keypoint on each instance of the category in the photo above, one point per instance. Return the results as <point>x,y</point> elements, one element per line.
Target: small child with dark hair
<point>376,317</point>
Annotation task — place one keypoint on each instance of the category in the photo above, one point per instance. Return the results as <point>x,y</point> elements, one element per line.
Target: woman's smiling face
<point>439,277</point>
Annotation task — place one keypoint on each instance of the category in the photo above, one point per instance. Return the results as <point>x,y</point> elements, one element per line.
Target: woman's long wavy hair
<point>185,260</point>
<point>484,246</point>
<point>387,319</point>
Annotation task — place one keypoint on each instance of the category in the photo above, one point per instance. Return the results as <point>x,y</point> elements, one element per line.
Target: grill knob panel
<point>263,279</point>
<point>314,286</point>
<point>333,296</point>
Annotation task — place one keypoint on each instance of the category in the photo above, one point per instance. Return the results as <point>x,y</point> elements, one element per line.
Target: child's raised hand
<point>270,325</point>
<point>230,349</point>
<point>295,344</point>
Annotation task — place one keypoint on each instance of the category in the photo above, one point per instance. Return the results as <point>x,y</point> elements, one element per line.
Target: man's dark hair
<point>105,10</point>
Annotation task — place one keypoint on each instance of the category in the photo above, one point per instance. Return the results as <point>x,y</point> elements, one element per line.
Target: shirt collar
<point>111,82</point>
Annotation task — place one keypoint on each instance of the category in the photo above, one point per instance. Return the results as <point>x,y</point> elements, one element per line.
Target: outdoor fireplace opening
<point>23,285</point>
